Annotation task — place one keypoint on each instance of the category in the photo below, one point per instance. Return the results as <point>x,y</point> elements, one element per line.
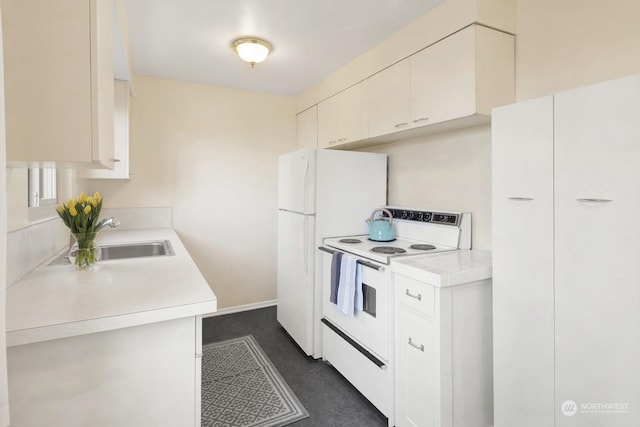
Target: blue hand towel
<point>336,262</point>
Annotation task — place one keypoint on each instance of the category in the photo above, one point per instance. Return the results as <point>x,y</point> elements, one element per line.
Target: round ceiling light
<point>252,50</point>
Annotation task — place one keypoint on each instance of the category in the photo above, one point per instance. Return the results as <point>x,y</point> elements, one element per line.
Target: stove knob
<point>420,216</point>
<point>412,215</point>
<point>404,214</point>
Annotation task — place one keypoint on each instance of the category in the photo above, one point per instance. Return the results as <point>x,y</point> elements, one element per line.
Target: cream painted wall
<point>571,43</point>
<point>211,153</point>
<point>450,170</point>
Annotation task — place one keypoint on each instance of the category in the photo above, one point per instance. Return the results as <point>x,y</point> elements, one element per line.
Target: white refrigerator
<point>321,193</point>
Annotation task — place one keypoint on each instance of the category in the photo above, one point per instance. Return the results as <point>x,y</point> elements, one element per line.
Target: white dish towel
<point>350,286</point>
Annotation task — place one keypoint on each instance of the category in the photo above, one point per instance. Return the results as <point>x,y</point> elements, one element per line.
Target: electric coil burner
<point>391,250</point>
<point>350,241</point>
<point>422,247</point>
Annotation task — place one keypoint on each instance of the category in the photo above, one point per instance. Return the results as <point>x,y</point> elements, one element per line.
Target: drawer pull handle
<point>342,139</point>
<point>520,199</point>
<point>399,125</point>
<point>595,200</point>
<point>115,160</point>
<point>421,119</point>
<point>417,347</point>
<point>409,294</point>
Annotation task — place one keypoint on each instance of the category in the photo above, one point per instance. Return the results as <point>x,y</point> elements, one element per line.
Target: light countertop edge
<point>446,269</point>
<point>54,302</point>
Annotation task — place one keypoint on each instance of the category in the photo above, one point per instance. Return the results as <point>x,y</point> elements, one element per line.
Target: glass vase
<point>85,252</point>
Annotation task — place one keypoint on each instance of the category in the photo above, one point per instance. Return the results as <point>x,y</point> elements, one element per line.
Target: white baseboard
<point>244,307</point>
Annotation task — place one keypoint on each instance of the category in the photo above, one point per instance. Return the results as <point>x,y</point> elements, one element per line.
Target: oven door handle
<point>362,262</point>
<point>366,353</point>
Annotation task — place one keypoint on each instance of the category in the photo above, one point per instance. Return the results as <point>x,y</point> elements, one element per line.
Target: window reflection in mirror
<point>42,187</point>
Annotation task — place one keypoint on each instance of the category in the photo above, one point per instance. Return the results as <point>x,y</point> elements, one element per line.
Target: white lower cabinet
<point>146,375</point>
<point>566,191</point>
<point>415,382</point>
<point>443,373</point>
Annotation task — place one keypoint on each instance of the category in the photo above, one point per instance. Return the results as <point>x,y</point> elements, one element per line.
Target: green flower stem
<point>87,252</point>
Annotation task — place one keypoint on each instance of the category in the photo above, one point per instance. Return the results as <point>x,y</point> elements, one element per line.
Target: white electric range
<point>360,346</point>
<point>418,232</point>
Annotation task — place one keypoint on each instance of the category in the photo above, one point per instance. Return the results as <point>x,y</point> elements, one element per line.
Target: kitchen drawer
<point>414,294</point>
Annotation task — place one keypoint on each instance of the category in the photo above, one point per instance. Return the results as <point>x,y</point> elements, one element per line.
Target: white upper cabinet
<point>387,97</point>
<point>307,128</point>
<point>451,84</point>
<point>58,58</point>
<point>120,135</point>
<point>467,73</point>
<point>341,118</point>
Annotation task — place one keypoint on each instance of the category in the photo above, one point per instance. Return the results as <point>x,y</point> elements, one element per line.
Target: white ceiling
<point>191,39</point>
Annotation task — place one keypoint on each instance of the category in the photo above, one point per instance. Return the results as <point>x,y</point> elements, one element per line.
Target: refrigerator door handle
<point>305,243</point>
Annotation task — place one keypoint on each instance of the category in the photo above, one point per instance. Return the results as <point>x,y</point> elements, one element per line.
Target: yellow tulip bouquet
<point>82,215</point>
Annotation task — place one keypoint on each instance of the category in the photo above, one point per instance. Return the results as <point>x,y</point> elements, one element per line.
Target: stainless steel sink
<point>111,251</point>
<point>136,250</point>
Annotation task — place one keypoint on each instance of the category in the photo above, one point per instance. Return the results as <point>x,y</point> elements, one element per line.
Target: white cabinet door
<point>120,135</point>
<point>597,196</point>
<point>307,128</point>
<point>341,118</point>
<point>443,80</point>
<point>351,117</point>
<point>416,361</point>
<point>523,293</point>
<point>388,99</point>
<point>328,122</point>
<point>467,73</point>
<point>59,82</point>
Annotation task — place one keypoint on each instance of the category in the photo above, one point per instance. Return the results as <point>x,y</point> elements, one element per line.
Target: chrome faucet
<point>111,222</point>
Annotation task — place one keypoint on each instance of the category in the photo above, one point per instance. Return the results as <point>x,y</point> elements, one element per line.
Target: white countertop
<point>446,269</point>
<point>60,301</point>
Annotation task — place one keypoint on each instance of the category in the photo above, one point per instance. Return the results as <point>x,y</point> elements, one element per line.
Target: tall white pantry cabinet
<point>566,256</point>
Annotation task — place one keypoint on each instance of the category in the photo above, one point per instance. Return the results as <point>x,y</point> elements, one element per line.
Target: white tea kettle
<point>381,229</point>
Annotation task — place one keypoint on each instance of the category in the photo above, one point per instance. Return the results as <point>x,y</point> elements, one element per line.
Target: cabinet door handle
<point>115,160</point>
<point>409,294</point>
<point>342,139</point>
<point>332,142</point>
<point>399,125</point>
<point>589,200</point>
<point>417,347</point>
<point>520,199</point>
<point>421,119</point>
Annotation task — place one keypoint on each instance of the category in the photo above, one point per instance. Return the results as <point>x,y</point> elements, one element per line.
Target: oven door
<point>370,327</point>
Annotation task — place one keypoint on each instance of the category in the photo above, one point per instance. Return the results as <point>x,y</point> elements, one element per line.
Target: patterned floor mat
<point>241,387</point>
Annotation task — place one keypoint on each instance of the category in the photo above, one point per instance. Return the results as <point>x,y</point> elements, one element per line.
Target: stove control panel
<point>424,216</point>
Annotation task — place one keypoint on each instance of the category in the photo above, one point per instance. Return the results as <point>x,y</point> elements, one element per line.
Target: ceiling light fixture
<point>252,50</point>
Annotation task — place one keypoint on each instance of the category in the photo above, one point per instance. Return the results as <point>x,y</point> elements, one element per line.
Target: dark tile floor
<point>329,398</point>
